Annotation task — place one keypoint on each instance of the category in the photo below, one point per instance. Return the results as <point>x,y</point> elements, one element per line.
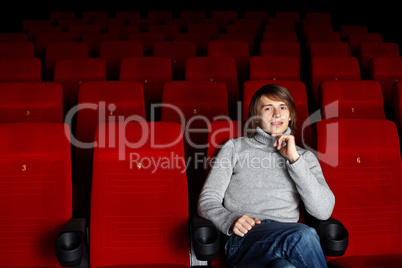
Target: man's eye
<point>283,108</point>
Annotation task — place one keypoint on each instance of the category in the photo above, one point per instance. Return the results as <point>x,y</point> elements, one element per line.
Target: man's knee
<point>305,235</point>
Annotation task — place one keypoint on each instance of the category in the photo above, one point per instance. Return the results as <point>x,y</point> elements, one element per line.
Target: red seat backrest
<point>35,192</point>
<point>363,169</point>
<point>20,70</point>
<point>139,203</point>
<point>70,73</point>
<point>31,102</point>
<point>352,99</point>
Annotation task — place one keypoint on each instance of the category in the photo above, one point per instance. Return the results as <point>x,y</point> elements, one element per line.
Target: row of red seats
<point>113,51</point>
<point>222,18</point>
<point>155,71</point>
<point>250,30</point>
<point>255,30</point>
<point>316,27</point>
<point>42,101</point>
<point>139,209</point>
<point>196,34</point>
<point>186,102</point>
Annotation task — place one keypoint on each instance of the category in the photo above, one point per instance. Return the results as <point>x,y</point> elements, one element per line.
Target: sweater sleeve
<point>315,193</point>
<point>210,202</point>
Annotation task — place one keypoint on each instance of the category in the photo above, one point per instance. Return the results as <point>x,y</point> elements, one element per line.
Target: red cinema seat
<point>148,40</point>
<point>114,51</point>
<point>364,172</point>
<point>71,73</point>
<point>180,22</point>
<point>228,15</point>
<point>178,52</point>
<point>329,36</point>
<point>90,15</point>
<point>100,102</point>
<point>199,39</point>
<point>13,37</point>
<point>281,48</point>
<point>31,102</point>
<point>211,29</point>
<point>347,29</point>
<point>246,19</point>
<point>355,39</point>
<point>35,30</point>
<point>168,30</point>
<point>280,36</point>
<point>274,68</point>
<point>291,15</point>
<point>127,14</point>
<point>153,72</point>
<point>18,49</point>
<point>123,30</point>
<point>35,192</point>
<point>60,51</point>
<point>253,28</point>
<point>143,23</point>
<point>139,207</point>
<point>352,99</point>
<point>249,37</point>
<point>323,28</point>
<point>159,15</point>
<point>239,49</point>
<point>20,70</point>
<point>339,49</point>
<point>79,30</point>
<point>332,68</point>
<point>298,91</point>
<point>105,23</point>
<point>190,104</point>
<point>280,25</point>
<point>94,41</point>
<point>194,15</point>
<point>320,17</point>
<point>387,71</point>
<point>221,69</point>
<point>64,24</point>
<point>368,50</point>
<point>221,23</point>
<point>43,39</point>
<point>262,15</point>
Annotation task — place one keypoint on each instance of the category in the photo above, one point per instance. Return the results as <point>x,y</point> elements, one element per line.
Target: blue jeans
<point>276,244</point>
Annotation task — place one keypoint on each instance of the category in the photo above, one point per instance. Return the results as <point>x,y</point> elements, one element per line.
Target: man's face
<point>274,115</point>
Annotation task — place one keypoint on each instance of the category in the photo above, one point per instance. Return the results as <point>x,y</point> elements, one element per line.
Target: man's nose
<point>277,113</point>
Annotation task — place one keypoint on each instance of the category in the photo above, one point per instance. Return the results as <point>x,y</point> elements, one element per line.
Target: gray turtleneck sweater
<point>250,176</point>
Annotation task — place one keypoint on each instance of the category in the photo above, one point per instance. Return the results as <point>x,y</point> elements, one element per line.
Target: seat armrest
<point>205,239</point>
<point>333,235</point>
<point>71,244</point>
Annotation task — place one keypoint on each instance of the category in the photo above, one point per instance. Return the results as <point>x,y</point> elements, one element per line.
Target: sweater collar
<point>265,138</point>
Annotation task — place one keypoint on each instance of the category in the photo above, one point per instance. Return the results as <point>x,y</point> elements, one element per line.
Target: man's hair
<point>273,92</point>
